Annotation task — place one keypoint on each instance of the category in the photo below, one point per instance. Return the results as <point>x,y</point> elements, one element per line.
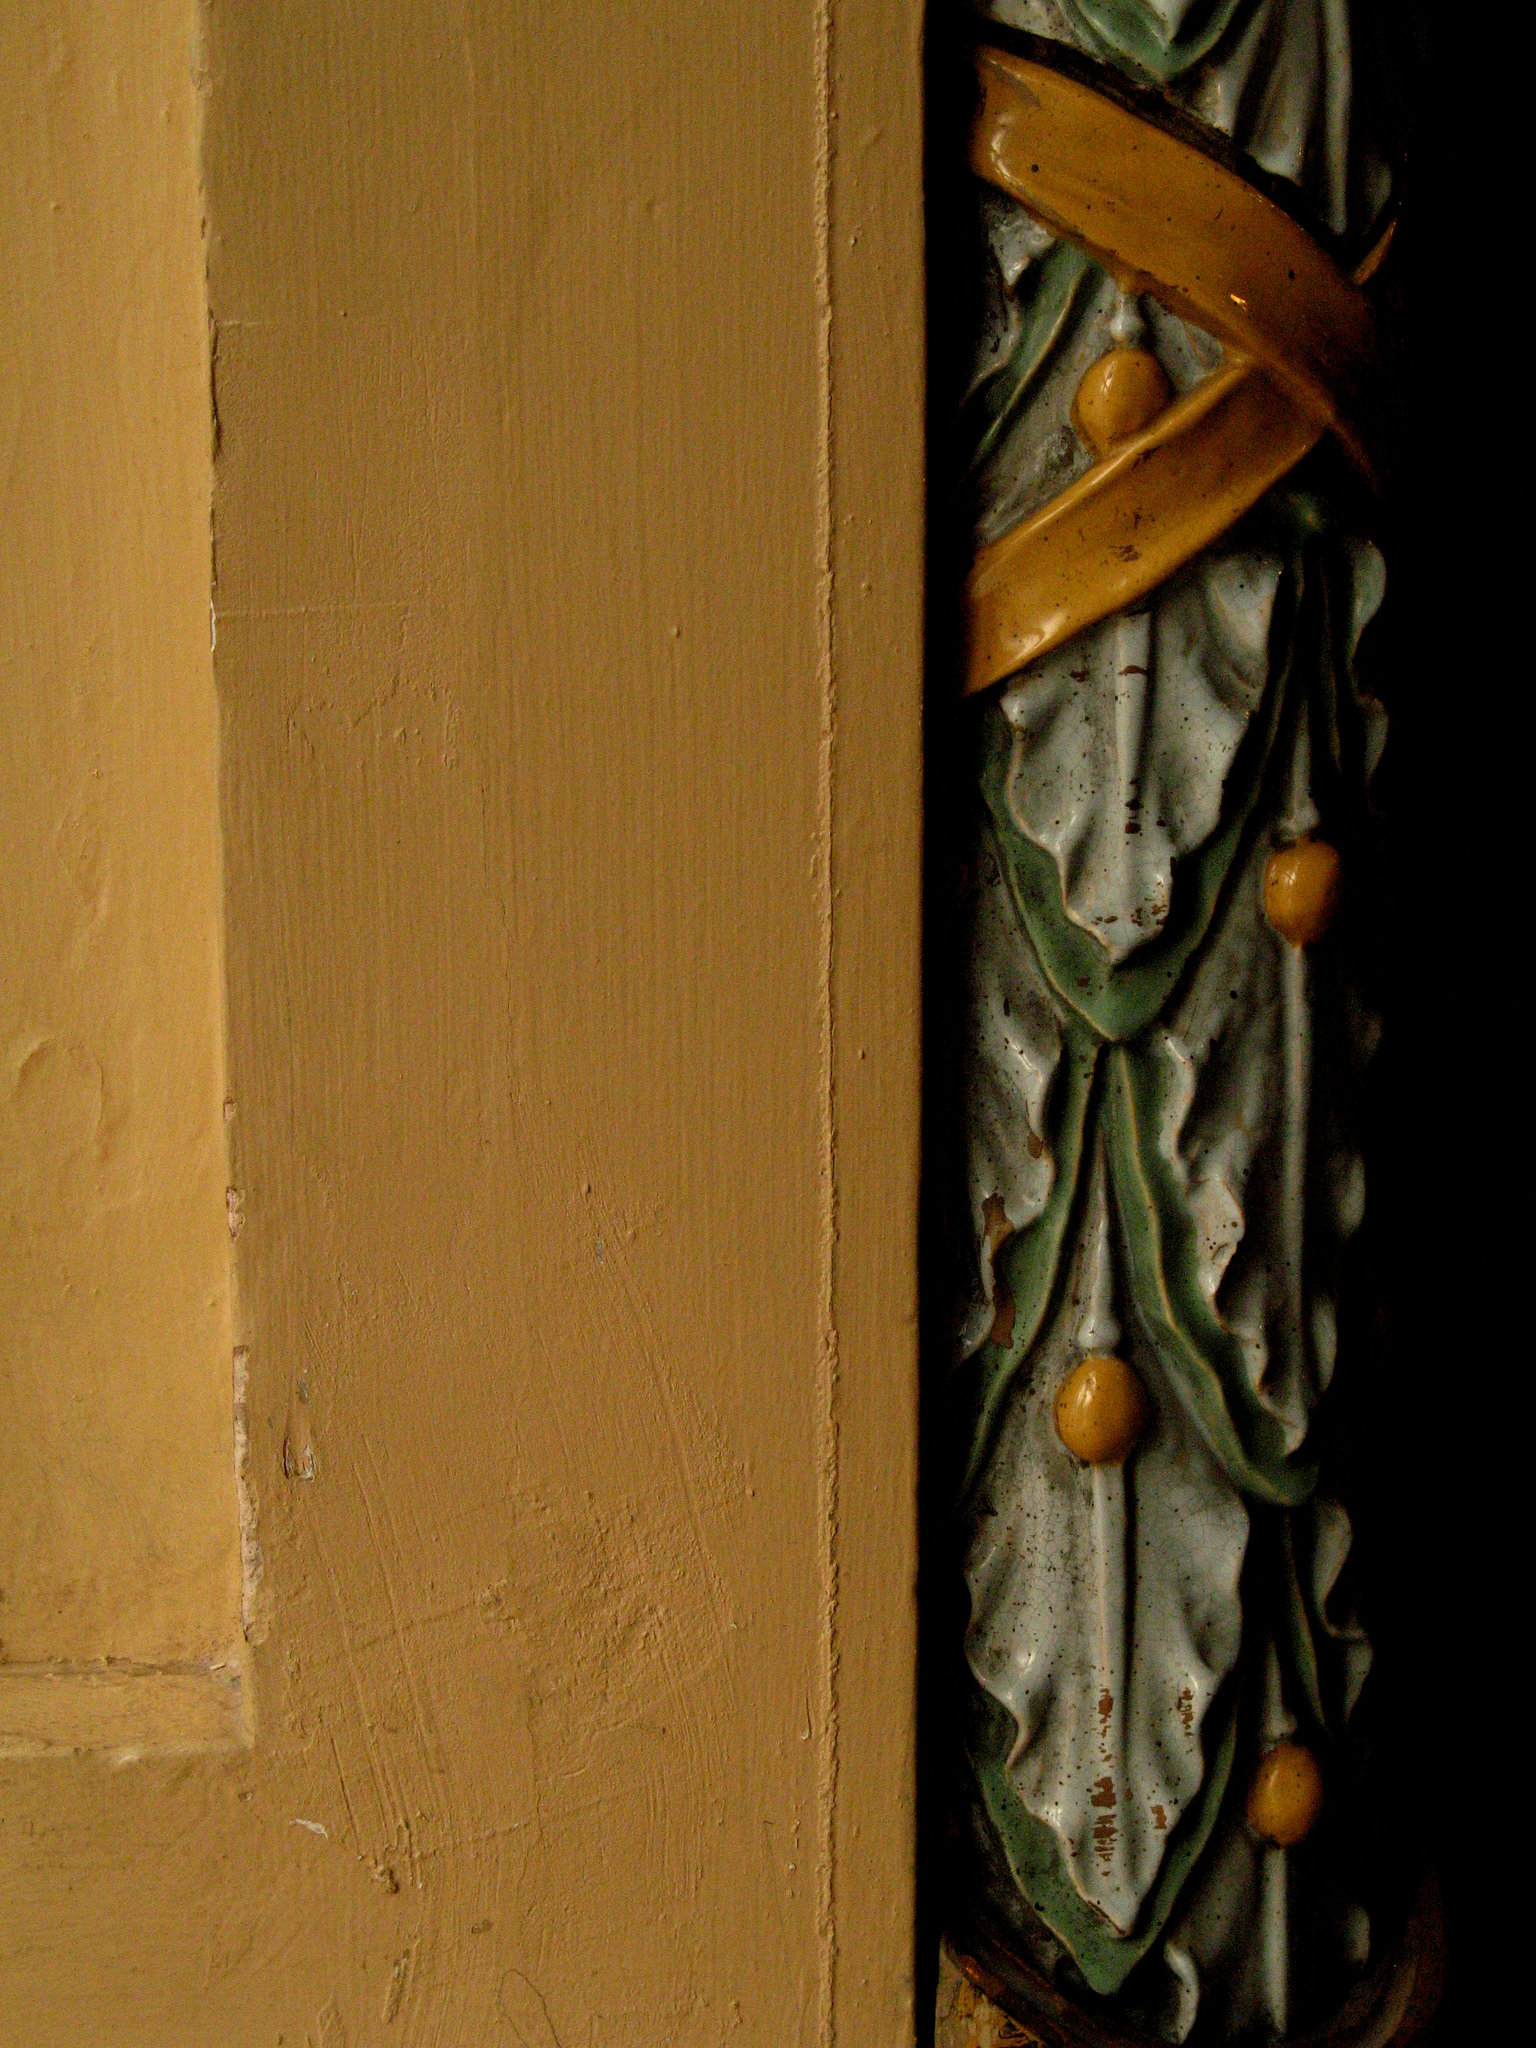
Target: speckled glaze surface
<point>1165,1033</point>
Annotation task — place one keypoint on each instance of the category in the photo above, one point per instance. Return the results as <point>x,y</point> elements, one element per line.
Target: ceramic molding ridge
<point>1156,1085</point>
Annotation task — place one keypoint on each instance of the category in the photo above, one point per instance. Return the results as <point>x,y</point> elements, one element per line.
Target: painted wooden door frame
<point>567,395</point>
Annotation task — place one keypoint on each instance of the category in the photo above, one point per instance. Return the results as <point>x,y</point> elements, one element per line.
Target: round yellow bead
<point>1120,394</point>
<point>1286,1796</point>
<point>1301,890</point>
<point>1101,1410</point>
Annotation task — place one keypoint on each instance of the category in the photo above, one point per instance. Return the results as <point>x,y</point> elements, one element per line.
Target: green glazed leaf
<point>1129,35</point>
<point>1105,1958</point>
<point>1201,1356</point>
<point>1299,1639</point>
<point>1030,1262</point>
<point>1118,1002</point>
<point>1058,282</point>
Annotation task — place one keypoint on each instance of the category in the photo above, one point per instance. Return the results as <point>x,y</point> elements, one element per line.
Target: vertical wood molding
<point>567,518</point>
<point>118,1526</point>
<point>875,445</point>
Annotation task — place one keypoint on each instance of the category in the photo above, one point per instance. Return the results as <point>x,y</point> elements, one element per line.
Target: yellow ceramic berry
<point>1120,394</point>
<point>1301,890</point>
<point>1286,1796</point>
<point>1101,1410</point>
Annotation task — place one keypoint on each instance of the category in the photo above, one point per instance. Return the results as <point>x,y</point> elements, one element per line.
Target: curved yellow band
<point>1166,219</point>
<point>1125,526</point>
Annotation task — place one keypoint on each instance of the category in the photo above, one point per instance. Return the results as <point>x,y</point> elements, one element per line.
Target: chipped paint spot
<point>251,1562</point>
<point>394,1990</point>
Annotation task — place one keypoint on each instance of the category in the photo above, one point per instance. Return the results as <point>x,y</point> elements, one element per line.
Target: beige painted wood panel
<point>567,583</point>
<point>118,1533</point>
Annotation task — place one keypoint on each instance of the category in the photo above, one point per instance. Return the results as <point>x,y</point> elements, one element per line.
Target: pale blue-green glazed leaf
<point>1129,35</point>
<point>1029,1264</point>
<point>1105,1958</point>
<point>1201,1356</point>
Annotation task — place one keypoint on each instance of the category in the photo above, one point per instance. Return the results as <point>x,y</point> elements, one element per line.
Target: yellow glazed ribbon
<point>1165,219</point>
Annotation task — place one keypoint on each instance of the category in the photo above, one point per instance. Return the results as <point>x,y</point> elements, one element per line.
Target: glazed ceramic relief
<point>1171,434</point>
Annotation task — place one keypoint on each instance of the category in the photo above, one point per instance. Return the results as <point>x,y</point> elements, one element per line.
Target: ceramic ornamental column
<point>1172,434</point>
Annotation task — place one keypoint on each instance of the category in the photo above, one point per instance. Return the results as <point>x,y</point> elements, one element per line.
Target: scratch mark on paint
<point>346,1796</point>
<point>430,1748</point>
<point>385,1792</point>
<point>315,1827</point>
<point>394,1990</point>
<point>333,2028</point>
<point>682,1431</point>
<point>523,2006</point>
